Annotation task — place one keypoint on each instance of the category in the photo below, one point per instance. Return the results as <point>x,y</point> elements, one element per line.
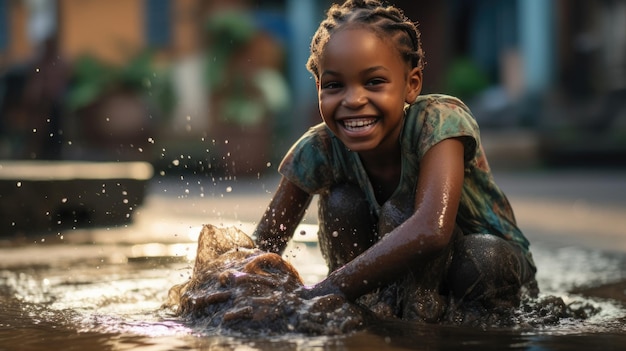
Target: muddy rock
<point>237,287</point>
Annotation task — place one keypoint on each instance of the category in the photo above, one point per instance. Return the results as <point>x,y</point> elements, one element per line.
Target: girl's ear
<point>414,85</point>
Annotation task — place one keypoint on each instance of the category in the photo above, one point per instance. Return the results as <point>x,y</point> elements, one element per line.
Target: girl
<point>406,197</point>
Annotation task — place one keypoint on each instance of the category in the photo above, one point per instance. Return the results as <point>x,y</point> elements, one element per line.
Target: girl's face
<point>362,89</point>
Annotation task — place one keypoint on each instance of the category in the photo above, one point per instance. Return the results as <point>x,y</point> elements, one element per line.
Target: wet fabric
<point>319,161</point>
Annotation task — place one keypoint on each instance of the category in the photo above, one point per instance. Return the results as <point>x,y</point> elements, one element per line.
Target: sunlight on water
<point>568,267</point>
<point>120,292</point>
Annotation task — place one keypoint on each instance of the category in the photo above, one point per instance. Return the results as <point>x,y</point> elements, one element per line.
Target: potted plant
<point>115,106</point>
<point>247,90</point>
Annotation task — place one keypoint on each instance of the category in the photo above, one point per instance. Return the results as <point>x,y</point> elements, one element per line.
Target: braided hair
<point>387,21</point>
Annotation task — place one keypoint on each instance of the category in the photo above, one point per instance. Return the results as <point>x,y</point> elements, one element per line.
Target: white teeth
<point>358,123</point>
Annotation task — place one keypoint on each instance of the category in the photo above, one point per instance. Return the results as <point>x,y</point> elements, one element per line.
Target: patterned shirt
<point>319,160</point>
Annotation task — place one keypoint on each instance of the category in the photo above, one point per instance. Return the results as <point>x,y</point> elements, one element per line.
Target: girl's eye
<point>375,81</point>
<point>331,85</point>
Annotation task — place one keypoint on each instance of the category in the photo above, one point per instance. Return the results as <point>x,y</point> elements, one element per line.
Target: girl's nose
<point>354,98</point>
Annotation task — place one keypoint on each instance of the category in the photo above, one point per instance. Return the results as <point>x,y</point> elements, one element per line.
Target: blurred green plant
<point>464,79</point>
<point>227,31</point>
<point>242,97</point>
<point>93,79</point>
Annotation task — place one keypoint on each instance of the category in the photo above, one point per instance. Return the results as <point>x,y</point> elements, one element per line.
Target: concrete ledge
<point>54,195</point>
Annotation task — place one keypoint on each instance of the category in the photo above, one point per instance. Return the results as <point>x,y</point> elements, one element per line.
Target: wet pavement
<point>105,286</point>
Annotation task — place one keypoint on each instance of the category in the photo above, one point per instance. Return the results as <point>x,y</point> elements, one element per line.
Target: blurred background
<point>221,85</point>
<point>209,95</point>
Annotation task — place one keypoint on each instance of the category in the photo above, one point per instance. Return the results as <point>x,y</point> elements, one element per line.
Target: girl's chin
<point>358,146</point>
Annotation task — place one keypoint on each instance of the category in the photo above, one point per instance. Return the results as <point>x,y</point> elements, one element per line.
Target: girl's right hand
<point>323,288</point>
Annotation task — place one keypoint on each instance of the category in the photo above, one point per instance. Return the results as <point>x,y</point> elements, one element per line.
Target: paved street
<point>567,207</point>
<point>581,208</point>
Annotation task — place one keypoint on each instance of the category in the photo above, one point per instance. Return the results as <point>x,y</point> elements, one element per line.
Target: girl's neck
<point>384,170</point>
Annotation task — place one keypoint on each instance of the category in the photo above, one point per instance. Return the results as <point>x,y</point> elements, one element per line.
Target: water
<point>102,289</point>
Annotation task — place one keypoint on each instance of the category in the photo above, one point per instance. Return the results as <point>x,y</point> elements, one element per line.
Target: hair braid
<point>389,21</point>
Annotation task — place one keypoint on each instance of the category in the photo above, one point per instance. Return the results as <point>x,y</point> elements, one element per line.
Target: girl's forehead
<point>356,38</point>
<point>359,50</point>
<point>353,30</point>
<point>357,44</point>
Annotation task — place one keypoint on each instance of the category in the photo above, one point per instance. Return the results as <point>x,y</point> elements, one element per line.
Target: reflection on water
<point>98,301</point>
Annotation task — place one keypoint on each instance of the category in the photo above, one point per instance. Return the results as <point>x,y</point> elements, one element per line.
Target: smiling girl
<point>407,202</point>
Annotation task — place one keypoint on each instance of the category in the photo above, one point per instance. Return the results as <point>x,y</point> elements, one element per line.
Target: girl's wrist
<point>323,288</point>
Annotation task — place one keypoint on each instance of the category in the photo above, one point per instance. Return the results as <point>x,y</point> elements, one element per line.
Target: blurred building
<point>553,66</point>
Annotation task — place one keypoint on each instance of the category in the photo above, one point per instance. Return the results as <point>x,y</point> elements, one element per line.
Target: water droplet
<point>335,234</point>
<point>64,200</point>
<point>176,162</point>
<point>229,189</point>
<point>19,184</point>
<point>302,232</point>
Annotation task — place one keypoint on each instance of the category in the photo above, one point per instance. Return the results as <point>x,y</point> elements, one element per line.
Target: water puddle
<point>109,298</point>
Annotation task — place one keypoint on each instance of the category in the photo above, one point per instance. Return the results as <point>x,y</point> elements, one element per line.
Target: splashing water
<point>100,296</point>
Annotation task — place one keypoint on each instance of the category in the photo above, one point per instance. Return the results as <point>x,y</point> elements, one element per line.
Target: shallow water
<point>104,298</point>
<point>102,289</point>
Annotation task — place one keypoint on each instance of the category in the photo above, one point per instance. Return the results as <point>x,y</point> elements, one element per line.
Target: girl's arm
<point>422,236</point>
<point>281,217</point>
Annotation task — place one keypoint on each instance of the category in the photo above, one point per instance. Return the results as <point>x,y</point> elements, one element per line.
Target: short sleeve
<point>434,118</point>
<point>308,163</point>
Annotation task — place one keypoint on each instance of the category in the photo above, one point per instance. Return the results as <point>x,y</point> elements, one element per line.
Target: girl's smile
<point>359,124</point>
<point>363,86</point>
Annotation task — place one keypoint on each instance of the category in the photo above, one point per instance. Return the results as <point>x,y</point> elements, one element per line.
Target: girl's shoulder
<point>434,117</point>
<point>438,102</point>
<point>317,135</point>
<point>439,108</point>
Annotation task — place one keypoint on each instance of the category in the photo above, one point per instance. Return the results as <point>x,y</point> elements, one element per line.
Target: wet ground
<point>102,289</point>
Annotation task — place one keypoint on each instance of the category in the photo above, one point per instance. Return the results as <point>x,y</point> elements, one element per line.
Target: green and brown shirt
<point>319,160</point>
